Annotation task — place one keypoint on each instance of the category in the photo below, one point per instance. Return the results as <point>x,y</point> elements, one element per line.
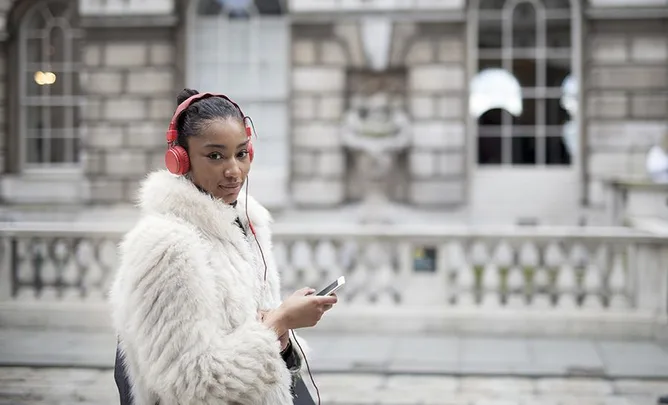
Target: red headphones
<point>176,158</point>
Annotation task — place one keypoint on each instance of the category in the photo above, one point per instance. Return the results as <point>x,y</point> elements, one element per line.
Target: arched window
<point>241,48</point>
<point>48,86</point>
<point>518,97</point>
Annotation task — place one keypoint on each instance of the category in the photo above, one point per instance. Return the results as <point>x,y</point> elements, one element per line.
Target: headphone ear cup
<point>251,150</point>
<point>177,160</point>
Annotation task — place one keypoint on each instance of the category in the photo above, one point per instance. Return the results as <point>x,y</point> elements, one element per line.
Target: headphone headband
<point>172,133</point>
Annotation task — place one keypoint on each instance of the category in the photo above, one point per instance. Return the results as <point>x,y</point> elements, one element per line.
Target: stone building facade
<point>129,58</point>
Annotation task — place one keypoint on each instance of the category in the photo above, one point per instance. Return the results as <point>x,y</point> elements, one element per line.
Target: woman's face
<point>219,161</point>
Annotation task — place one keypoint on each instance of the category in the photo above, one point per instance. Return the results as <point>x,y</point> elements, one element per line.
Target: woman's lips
<point>231,187</point>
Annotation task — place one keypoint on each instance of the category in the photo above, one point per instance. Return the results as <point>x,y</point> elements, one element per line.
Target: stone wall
<point>626,67</point>
<point>319,61</point>
<point>129,87</point>
<point>435,58</point>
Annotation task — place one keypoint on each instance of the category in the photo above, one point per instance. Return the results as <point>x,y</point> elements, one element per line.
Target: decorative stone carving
<point>376,129</point>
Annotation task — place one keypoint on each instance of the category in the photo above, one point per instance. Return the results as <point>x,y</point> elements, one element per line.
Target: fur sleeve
<point>170,320</point>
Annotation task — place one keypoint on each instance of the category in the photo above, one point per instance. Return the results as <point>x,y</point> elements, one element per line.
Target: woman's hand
<point>284,338</point>
<point>329,306</point>
<point>300,310</point>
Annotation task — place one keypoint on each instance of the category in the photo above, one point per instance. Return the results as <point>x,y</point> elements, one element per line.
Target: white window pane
<point>270,154</point>
<point>270,119</point>
<point>273,40</point>
<point>236,82</point>
<point>207,77</point>
<point>273,81</point>
<point>239,38</point>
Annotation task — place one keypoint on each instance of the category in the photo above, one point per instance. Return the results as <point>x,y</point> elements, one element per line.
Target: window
<point>240,48</point>
<point>517,97</point>
<point>49,116</point>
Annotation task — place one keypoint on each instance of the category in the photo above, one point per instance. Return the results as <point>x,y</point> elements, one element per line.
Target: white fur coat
<point>186,297</point>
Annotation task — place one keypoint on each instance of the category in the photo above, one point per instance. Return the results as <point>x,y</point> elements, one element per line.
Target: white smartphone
<point>331,289</point>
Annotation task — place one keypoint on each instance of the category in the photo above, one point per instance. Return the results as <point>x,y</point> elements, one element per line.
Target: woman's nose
<point>232,171</point>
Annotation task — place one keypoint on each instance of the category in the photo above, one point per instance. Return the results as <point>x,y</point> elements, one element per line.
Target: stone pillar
<point>626,99</point>
<point>318,83</point>
<point>437,85</point>
<point>130,99</point>
<point>3,105</point>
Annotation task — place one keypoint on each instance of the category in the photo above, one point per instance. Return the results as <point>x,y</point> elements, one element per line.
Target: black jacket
<point>292,361</point>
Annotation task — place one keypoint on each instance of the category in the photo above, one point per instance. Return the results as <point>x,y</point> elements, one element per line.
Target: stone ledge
<point>94,316</point>
<point>141,21</point>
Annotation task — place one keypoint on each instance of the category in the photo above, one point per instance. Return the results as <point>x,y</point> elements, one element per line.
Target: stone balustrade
<point>526,280</point>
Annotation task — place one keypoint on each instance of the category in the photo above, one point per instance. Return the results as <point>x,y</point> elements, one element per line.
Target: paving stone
<point>574,386</point>
<point>445,383</point>
<point>494,351</point>
<point>56,386</point>
<point>497,385</point>
<point>566,355</point>
<point>640,387</point>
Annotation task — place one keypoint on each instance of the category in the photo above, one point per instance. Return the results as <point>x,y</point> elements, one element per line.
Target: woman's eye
<point>215,156</point>
<point>242,154</point>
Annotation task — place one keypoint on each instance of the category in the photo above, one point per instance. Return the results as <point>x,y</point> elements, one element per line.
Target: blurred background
<point>491,176</point>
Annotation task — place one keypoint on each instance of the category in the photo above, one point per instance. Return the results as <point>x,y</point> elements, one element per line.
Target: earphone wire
<point>308,368</point>
<point>252,228</point>
<point>294,337</point>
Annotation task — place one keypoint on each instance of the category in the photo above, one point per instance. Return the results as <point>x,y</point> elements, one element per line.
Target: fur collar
<point>163,193</point>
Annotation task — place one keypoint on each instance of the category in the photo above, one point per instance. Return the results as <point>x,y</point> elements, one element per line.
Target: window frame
<point>505,54</point>
<point>73,99</point>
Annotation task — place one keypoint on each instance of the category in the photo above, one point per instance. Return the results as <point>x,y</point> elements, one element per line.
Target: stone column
<point>3,105</point>
<point>318,84</point>
<point>626,101</point>
<point>437,86</point>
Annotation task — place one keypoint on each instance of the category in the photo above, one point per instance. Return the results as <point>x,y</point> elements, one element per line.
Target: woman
<point>196,299</point>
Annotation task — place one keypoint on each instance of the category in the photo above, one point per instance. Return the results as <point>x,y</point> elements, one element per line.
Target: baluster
<point>529,261</point>
<point>284,268</point>
<point>479,257</point>
<point>64,261</point>
<point>578,259</point>
<point>358,287</point>
<point>491,286</point>
<point>617,283</point>
<point>515,283</point>
<point>554,259</point>
<point>26,271</point>
<point>48,272</point>
<point>302,261</point>
<point>85,255</point>
<point>326,263</point>
<point>387,275</point>
<point>373,258</point>
<point>71,276</point>
<point>567,287</point>
<point>453,260</point>
<point>91,282</point>
<point>109,265</point>
<point>466,278</point>
<point>503,257</point>
<point>592,284</point>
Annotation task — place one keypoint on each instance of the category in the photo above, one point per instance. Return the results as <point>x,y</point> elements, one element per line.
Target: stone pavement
<point>388,354</point>
<point>60,386</point>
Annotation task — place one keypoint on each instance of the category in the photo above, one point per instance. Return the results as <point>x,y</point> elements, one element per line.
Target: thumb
<point>327,299</point>
<point>304,291</point>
